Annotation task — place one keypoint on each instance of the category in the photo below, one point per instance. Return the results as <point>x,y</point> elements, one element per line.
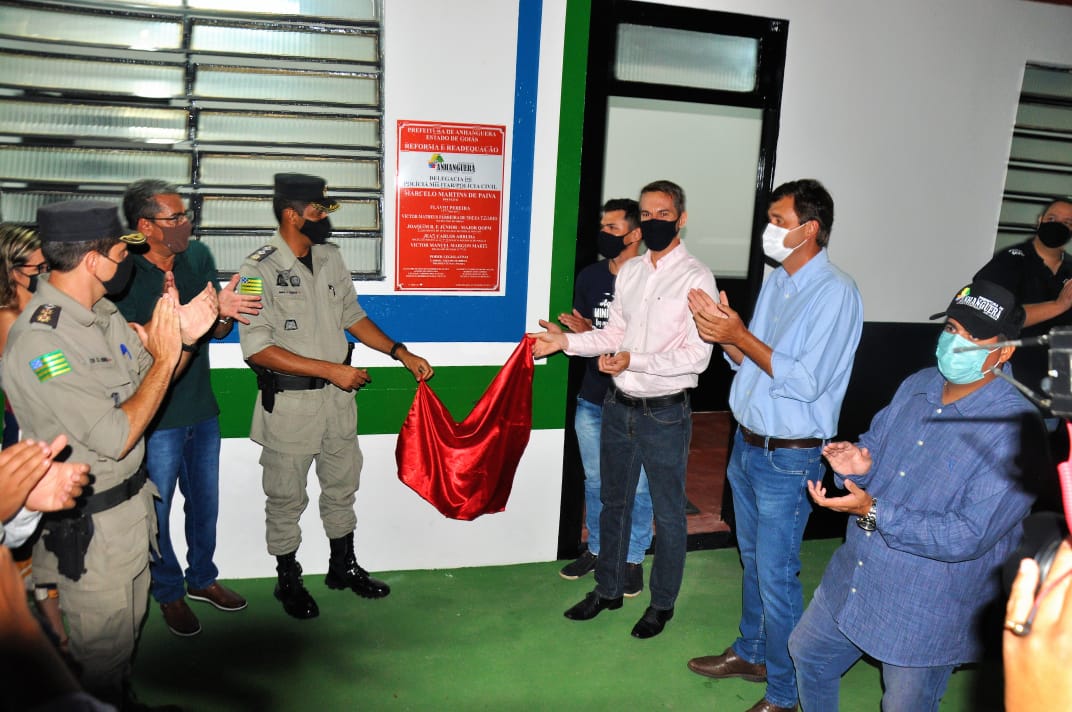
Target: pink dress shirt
<point>650,319</point>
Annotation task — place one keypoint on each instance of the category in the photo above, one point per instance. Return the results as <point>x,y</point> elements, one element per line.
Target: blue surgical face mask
<point>960,367</point>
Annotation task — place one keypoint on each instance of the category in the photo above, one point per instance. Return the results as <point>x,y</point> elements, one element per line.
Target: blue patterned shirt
<point>951,483</point>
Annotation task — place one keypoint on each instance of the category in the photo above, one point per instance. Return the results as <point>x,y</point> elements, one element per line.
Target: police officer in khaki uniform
<point>72,365</point>
<point>306,408</point>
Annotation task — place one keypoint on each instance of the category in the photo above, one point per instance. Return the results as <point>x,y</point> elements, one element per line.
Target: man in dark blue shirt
<point>939,486</point>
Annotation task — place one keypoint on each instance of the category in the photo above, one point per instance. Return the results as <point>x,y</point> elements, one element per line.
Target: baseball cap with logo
<point>304,189</point>
<point>986,309</point>
<point>82,221</point>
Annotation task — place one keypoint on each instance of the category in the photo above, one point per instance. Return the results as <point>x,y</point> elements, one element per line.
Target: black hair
<point>630,207</point>
<point>811,201</point>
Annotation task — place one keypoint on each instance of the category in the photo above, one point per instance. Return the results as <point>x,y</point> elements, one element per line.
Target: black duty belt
<point>286,382</point>
<point>778,443</point>
<point>113,496</point>
<point>652,402</point>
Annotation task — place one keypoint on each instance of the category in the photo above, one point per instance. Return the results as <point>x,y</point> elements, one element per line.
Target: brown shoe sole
<point>726,675</point>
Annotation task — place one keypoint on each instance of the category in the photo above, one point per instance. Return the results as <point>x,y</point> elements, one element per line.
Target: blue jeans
<point>770,500</point>
<point>190,457</point>
<point>657,441</point>
<point>587,425</point>
<point>823,654</point>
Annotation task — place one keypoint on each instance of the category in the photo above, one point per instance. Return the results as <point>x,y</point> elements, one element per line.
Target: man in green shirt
<point>184,441</point>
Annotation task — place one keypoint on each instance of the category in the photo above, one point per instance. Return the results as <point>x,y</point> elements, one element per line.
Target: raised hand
<point>233,305</point>
<point>198,315</point>
<point>161,336</point>
<point>575,322</point>
<point>62,483</point>
<point>847,459</point>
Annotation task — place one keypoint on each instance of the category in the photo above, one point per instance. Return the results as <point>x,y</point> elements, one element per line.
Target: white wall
<point>905,111</point>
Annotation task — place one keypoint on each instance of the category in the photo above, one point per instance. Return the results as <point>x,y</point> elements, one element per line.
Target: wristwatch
<point>867,522</point>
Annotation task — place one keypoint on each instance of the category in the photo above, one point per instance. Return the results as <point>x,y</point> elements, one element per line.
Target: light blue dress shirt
<point>812,321</point>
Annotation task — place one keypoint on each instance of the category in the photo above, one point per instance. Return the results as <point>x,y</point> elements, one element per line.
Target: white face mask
<point>774,242</point>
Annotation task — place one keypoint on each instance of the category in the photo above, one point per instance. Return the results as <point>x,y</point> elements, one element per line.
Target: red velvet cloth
<point>467,469</point>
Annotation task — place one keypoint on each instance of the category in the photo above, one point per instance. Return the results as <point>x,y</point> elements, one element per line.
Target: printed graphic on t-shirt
<point>602,311</point>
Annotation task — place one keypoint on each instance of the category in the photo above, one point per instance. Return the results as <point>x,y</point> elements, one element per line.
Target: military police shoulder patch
<point>251,285</point>
<point>48,366</point>
<point>46,314</point>
<point>260,253</point>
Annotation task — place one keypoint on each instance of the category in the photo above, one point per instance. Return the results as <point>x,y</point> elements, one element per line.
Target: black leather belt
<point>653,402</point>
<point>114,496</point>
<point>778,443</point>
<point>286,382</point>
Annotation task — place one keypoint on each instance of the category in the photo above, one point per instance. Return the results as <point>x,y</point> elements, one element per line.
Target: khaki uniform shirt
<point>307,314</point>
<point>66,370</point>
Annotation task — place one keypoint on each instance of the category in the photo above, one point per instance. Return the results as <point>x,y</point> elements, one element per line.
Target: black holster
<point>266,385</point>
<point>69,533</point>
<point>68,537</point>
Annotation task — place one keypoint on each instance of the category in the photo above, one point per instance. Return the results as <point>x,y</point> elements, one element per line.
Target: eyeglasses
<point>176,219</point>
<point>30,270</point>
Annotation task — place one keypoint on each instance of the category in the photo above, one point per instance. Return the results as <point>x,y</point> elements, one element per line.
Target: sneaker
<point>584,565</point>
<point>180,619</point>
<point>634,580</point>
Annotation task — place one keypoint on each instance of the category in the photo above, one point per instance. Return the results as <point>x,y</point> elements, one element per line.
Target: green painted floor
<point>476,639</point>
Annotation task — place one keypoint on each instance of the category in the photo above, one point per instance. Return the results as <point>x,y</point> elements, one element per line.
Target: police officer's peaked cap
<point>82,221</point>
<point>304,189</point>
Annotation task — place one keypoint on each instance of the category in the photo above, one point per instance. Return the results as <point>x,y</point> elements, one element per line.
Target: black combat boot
<point>290,591</point>
<point>343,571</point>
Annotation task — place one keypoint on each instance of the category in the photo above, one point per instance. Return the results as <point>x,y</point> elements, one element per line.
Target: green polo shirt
<point>190,399</point>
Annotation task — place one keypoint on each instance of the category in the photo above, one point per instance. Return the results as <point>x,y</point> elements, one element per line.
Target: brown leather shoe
<point>729,664</point>
<point>221,597</point>
<point>180,619</point>
<point>765,706</point>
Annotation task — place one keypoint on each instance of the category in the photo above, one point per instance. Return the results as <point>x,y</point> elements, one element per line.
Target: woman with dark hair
<point>21,262</point>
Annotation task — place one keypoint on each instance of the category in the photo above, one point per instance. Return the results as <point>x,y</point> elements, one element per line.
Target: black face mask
<point>124,269</point>
<point>658,234</point>
<point>1053,234</point>
<point>317,231</point>
<point>31,287</point>
<point>610,246</point>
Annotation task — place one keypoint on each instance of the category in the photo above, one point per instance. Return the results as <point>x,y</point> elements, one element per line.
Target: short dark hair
<point>65,256</point>
<point>630,207</point>
<point>281,204</point>
<point>139,199</point>
<point>1055,201</point>
<point>811,201</point>
<point>675,191</point>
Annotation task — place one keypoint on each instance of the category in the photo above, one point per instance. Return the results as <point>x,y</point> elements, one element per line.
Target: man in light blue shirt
<point>793,364</point>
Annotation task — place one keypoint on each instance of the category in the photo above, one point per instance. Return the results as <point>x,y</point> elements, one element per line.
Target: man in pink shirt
<point>652,350</point>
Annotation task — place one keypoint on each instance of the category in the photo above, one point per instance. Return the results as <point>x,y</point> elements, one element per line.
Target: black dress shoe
<point>652,622</point>
<point>590,607</point>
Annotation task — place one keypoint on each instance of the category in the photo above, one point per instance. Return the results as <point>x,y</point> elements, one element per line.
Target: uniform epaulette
<point>46,314</point>
<point>261,252</point>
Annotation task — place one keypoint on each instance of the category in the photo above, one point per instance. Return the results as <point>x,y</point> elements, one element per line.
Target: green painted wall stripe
<point>383,404</point>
